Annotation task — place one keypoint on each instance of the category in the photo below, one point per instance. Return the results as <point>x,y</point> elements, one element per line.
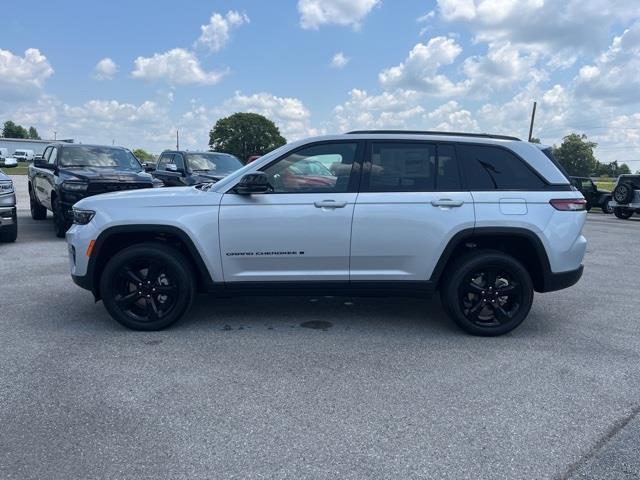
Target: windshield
<point>213,162</point>
<point>101,157</point>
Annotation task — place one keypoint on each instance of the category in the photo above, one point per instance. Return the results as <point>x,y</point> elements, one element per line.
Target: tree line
<point>13,130</point>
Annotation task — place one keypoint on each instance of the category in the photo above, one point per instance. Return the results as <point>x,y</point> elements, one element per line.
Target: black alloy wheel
<point>487,293</point>
<point>147,286</point>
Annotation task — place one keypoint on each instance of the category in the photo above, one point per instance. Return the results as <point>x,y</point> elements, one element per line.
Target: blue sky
<point>133,72</point>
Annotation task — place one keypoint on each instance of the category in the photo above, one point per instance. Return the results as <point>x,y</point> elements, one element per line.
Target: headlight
<point>82,217</point>
<point>74,186</point>
<point>6,187</point>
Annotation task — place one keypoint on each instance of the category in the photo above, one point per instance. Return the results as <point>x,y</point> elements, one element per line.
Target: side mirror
<point>40,163</point>
<point>172,167</point>
<point>256,182</point>
<point>149,167</point>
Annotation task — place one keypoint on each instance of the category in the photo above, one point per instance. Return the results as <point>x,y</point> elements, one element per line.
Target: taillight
<point>569,204</point>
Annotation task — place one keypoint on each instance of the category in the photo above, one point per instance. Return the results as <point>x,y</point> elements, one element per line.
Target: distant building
<point>38,146</point>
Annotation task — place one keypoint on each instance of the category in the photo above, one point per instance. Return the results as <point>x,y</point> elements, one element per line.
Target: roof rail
<point>430,132</point>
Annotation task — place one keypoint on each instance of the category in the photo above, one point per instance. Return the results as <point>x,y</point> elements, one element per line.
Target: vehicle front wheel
<point>38,212</point>
<point>487,293</point>
<point>147,286</point>
<point>60,223</point>
<point>623,213</point>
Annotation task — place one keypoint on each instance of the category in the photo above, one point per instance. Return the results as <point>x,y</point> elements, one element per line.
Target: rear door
<point>410,204</point>
<point>300,231</point>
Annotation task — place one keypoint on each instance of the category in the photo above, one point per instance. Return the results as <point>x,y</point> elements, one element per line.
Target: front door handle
<point>330,204</point>
<point>447,202</point>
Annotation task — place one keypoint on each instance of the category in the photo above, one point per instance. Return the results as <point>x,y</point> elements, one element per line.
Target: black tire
<point>9,234</point>
<point>472,288</point>
<point>38,212</point>
<point>147,286</point>
<point>60,223</point>
<point>623,213</point>
<point>623,193</point>
<point>606,208</point>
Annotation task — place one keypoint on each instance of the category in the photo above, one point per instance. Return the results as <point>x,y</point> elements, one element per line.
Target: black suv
<point>180,168</point>
<point>591,193</point>
<point>68,173</point>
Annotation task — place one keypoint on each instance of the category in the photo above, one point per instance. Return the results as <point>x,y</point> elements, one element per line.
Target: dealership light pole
<point>177,141</point>
<point>533,117</point>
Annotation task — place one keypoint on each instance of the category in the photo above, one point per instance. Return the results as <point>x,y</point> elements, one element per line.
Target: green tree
<point>33,133</point>
<point>11,130</point>
<point>576,155</point>
<point>143,155</point>
<point>534,140</point>
<point>245,134</point>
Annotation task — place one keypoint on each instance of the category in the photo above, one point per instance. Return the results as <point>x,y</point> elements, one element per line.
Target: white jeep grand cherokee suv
<point>486,220</point>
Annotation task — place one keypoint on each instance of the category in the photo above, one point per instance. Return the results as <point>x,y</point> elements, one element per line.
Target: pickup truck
<point>8,217</point>
<point>68,173</point>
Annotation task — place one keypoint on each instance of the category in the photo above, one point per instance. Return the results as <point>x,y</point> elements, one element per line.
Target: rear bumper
<point>558,281</point>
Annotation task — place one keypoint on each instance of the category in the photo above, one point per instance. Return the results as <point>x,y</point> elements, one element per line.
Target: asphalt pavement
<point>296,388</point>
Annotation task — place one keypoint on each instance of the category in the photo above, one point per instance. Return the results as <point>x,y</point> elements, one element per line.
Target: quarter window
<point>491,168</point>
<point>316,169</point>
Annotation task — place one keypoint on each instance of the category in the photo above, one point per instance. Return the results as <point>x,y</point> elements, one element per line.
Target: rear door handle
<point>447,202</point>
<point>330,204</point>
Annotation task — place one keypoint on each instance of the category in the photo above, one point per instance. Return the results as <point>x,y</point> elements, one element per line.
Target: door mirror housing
<point>149,167</point>
<point>172,167</point>
<point>256,182</point>
<point>40,163</point>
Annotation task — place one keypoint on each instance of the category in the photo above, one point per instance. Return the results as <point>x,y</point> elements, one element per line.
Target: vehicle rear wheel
<point>487,293</point>
<point>60,223</point>
<point>9,234</point>
<point>38,212</point>
<point>623,213</point>
<point>147,286</point>
<point>623,193</point>
<point>606,208</point>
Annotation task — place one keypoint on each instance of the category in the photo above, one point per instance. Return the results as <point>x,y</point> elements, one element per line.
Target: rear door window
<point>494,168</point>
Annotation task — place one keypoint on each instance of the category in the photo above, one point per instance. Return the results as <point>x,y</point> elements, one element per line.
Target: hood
<point>3,176</point>
<point>152,197</point>
<point>102,174</point>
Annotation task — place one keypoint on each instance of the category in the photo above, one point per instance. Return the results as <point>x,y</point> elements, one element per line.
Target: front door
<point>301,230</point>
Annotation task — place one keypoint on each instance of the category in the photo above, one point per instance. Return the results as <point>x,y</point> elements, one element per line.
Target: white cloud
<point>615,75</point>
<point>315,13</point>
<point>398,109</point>
<point>215,35</point>
<point>420,69</point>
<point>339,60</point>
<point>22,77</point>
<point>451,117</point>
<point>105,69</point>
<point>289,114</point>
<point>177,66</point>
<point>549,26</point>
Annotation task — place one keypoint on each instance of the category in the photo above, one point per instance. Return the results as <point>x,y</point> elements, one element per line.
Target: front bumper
<point>8,216</point>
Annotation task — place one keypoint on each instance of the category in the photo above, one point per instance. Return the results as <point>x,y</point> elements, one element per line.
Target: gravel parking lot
<point>391,389</point>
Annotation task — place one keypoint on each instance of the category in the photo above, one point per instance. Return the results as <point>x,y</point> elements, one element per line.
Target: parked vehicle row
<point>484,220</point>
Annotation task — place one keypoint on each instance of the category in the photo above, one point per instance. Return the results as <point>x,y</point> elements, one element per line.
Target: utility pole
<point>533,117</point>
<point>177,141</point>
<point>55,135</point>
